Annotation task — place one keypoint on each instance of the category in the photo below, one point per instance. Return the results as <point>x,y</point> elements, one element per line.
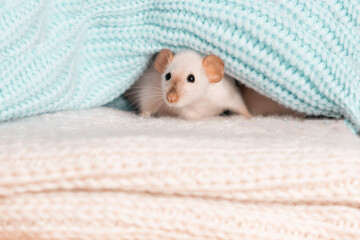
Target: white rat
<point>186,85</point>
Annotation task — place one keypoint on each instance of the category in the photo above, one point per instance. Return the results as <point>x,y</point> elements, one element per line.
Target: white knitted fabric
<point>106,174</point>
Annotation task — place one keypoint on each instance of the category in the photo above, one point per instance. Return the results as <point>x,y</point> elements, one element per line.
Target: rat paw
<point>242,111</point>
<point>145,114</point>
<point>247,115</point>
<point>192,116</point>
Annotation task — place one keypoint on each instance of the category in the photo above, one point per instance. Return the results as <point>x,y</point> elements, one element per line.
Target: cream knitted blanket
<point>105,174</point>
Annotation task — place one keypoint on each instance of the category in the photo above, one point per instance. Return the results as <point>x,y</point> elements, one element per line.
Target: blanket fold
<point>73,54</point>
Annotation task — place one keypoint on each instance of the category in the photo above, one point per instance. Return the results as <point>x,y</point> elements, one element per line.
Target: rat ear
<point>214,68</point>
<point>162,60</point>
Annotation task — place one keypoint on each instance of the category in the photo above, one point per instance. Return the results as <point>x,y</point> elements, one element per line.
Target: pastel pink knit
<point>106,174</point>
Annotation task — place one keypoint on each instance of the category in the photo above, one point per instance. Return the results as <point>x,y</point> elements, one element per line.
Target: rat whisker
<point>147,87</point>
<point>137,100</point>
<point>143,94</point>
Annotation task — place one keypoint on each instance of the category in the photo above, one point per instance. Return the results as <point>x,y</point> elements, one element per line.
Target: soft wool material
<point>72,54</point>
<point>105,174</point>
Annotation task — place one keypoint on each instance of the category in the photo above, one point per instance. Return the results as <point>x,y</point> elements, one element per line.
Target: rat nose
<point>172,96</point>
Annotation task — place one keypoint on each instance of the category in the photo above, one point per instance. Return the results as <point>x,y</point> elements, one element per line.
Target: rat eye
<point>167,76</point>
<point>191,78</point>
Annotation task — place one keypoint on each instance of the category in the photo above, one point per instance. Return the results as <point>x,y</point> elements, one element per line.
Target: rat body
<point>186,85</point>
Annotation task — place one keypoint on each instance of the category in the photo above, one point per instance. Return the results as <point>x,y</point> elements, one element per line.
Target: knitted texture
<point>71,54</point>
<point>105,174</point>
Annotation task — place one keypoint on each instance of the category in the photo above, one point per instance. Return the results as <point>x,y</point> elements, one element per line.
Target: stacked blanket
<point>105,174</point>
<point>71,54</point>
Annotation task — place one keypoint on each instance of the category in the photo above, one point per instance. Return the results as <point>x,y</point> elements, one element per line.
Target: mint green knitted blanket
<point>73,54</point>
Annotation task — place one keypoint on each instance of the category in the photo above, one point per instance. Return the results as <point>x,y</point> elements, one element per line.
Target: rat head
<point>186,76</point>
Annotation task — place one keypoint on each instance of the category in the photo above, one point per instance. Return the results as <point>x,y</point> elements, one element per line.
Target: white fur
<point>197,100</point>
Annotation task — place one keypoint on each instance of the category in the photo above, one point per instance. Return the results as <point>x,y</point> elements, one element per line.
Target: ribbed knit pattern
<point>104,174</point>
<point>71,54</point>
